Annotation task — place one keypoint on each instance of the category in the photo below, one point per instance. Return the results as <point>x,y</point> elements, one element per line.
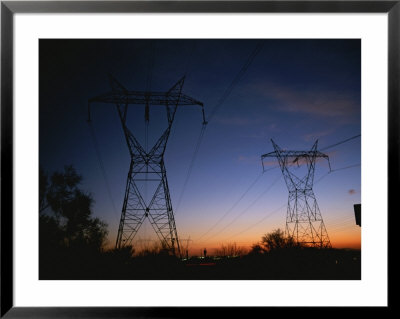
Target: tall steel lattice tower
<point>303,220</point>
<point>147,166</point>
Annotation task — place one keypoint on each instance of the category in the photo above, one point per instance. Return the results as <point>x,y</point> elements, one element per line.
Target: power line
<point>346,167</point>
<point>199,140</point>
<point>233,206</point>
<point>189,172</point>
<point>103,171</point>
<point>237,79</point>
<point>237,202</point>
<point>218,105</point>
<point>337,169</point>
<point>336,144</point>
<point>247,208</point>
<point>258,222</point>
<point>322,177</point>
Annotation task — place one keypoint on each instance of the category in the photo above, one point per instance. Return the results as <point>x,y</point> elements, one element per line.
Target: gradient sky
<point>294,91</point>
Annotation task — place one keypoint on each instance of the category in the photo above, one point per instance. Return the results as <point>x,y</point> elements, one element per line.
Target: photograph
<point>199,159</point>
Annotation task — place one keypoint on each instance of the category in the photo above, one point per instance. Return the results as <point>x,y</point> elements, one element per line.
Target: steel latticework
<point>304,221</point>
<point>147,166</point>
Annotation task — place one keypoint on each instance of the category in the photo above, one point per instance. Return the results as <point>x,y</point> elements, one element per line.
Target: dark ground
<point>286,264</point>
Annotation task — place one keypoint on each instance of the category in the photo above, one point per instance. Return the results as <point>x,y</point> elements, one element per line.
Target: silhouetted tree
<point>256,249</point>
<point>72,209</point>
<point>277,240</point>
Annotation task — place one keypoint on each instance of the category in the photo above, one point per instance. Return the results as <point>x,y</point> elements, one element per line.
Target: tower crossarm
<point>295,154</point>
<point>122,98</point>
<point>129,98</point>
<point>142,98</point>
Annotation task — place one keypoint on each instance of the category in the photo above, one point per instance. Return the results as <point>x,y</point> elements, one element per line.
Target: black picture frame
<point>9,8</point>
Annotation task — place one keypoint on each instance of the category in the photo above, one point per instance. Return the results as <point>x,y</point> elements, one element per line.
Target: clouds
<point>344,105</point>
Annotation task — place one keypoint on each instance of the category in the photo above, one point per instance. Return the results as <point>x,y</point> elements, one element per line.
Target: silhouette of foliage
<point>72,208</point>
<point>70,238</point>
<point>276,240</point>
<point>256,249</point>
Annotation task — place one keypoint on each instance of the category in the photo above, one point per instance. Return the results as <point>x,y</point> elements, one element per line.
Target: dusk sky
<point>294,92</point>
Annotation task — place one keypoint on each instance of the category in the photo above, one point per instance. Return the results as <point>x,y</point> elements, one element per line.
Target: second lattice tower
<point>304,221</point>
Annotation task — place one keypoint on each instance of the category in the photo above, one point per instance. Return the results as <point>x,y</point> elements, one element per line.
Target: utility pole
<point>303,220</point>
<point>147,166</point>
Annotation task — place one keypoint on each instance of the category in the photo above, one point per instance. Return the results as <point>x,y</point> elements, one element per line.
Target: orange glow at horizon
<point>348,238</point>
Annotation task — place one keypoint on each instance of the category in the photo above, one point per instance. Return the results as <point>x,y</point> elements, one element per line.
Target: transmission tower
<point>303,220</point>
<point>147,166</point>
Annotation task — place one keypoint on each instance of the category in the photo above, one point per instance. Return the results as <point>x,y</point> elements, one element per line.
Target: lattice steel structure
<point>304,221</point>
<point>147,166</point>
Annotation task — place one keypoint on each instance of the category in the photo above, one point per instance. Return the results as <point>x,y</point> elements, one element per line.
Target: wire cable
<point>232,207</point>
<point>247,208</point>
<point>238,77</point>
<point>335,170</point>
<point>218,105</point>
<point>336,144</point>
<point>346,167</point>
<point>189,172</point>
<point>103,171</point>
<point>258,222</point>
<point>237,202</point>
